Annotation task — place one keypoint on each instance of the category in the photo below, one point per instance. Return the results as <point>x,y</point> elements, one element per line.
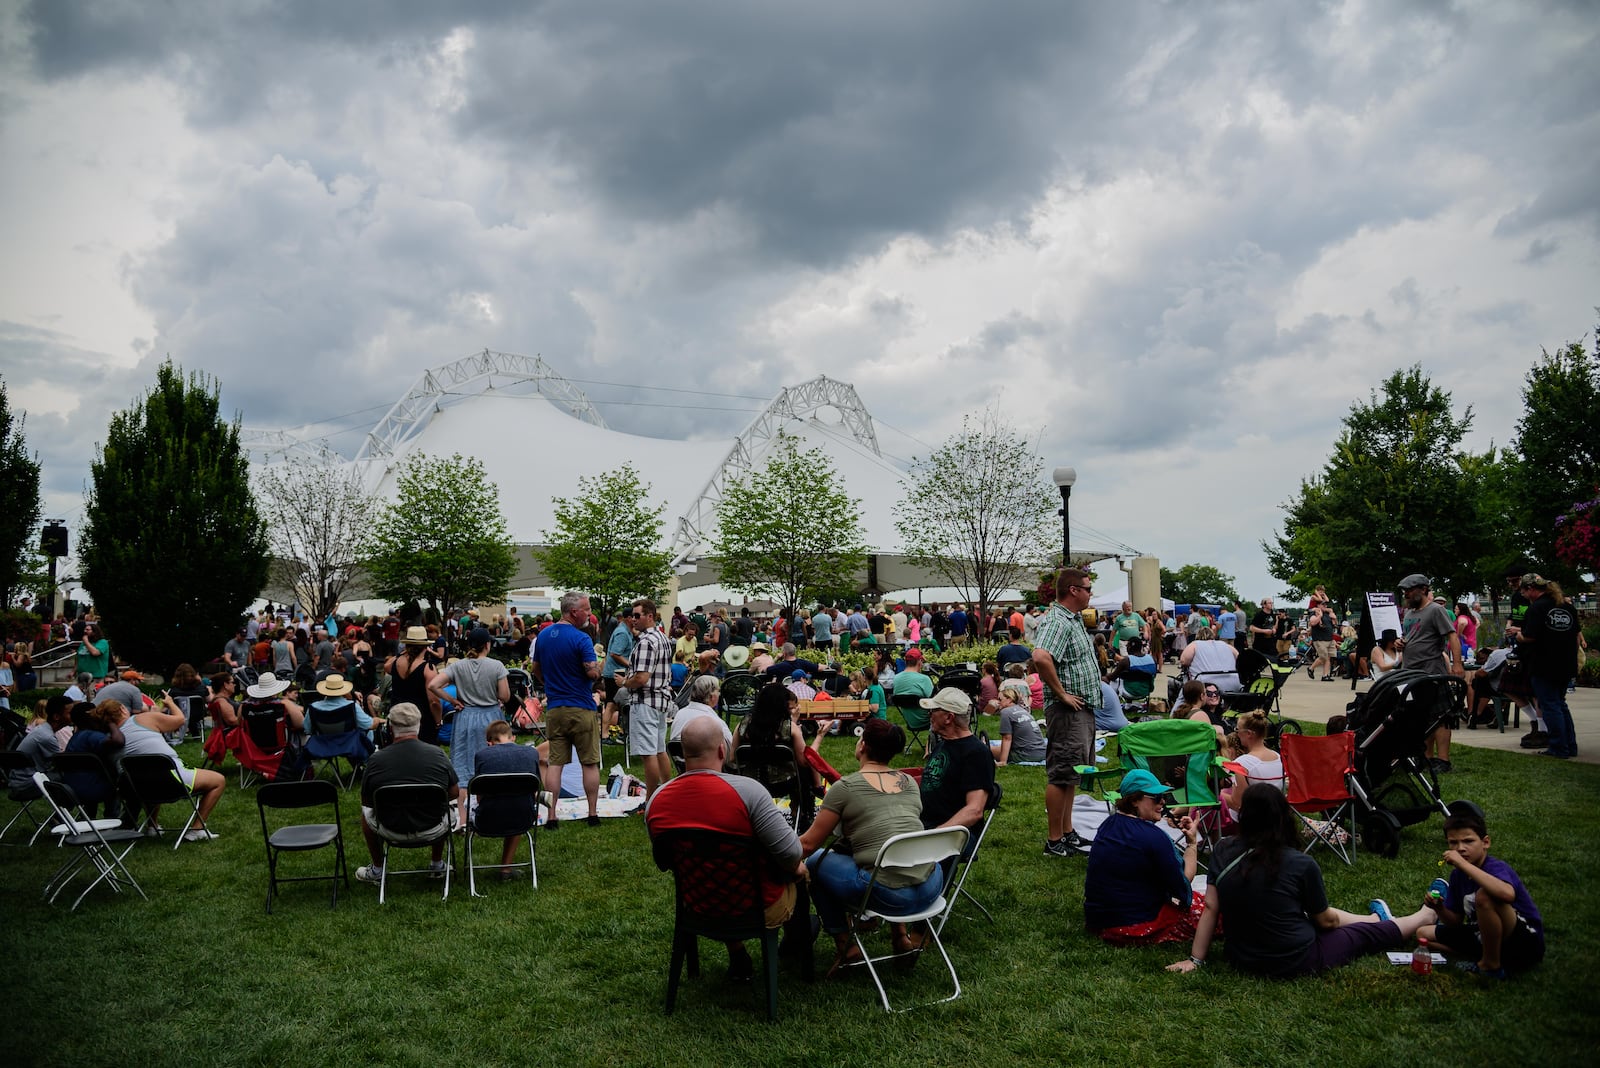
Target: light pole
<point>1064,477</point>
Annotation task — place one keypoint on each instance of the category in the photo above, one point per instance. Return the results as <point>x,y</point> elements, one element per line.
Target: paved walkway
<point>1315,701</point>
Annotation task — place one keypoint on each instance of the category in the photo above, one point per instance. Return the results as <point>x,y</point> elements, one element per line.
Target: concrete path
<point>1315,701</point>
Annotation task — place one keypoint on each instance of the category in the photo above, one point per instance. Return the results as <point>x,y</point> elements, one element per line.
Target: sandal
<point>844,958</point>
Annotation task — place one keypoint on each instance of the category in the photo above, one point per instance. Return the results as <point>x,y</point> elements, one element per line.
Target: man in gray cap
<point>405,760</point>
<point>1429,643</point>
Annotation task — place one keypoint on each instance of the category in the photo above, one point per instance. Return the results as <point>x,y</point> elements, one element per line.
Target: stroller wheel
<point>1380,833</point>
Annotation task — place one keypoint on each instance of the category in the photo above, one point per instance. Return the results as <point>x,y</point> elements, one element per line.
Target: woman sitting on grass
<point>1136,889</point>
<point>1269,898</point>
<point>1258,763</point>
<point>868,807</point>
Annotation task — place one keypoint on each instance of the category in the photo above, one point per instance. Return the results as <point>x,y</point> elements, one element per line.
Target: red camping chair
<point>1318,773</point>
<point>820,765</point>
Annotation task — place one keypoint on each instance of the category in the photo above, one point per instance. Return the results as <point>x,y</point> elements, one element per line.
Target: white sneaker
<point>369,873</point>
<point>436,869</point>
<point>199,834</point>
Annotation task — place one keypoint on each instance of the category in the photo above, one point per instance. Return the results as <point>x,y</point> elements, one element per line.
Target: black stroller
<point>1394,786</point>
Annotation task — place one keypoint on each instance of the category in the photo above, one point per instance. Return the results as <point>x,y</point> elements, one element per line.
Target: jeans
<point>1551,698</point>
<point>1109,717</point>
<point>836,881</point>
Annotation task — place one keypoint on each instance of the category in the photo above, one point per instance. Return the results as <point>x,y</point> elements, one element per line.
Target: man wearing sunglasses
<point>1065,659</point>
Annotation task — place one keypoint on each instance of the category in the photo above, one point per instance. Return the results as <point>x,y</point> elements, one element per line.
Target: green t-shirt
<point>98,665</point>
<point>869,817</point>
<point>875,696</point>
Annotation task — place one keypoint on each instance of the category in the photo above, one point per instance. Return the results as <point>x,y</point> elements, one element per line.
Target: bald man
<point>704,797</point>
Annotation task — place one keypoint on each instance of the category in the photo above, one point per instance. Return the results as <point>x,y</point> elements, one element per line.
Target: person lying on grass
<point>1269,897</point>
<point>1486,915</point>
<point>1136,889</point>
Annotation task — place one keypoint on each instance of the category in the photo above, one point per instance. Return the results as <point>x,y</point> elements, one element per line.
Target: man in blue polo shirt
<point>563,658</point>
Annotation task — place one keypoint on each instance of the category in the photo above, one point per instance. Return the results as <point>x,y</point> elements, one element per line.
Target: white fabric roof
<point>1111,601</point>
<point>534,452</point>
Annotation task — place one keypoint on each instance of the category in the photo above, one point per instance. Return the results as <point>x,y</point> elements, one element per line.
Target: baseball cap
<point>1139,781</point>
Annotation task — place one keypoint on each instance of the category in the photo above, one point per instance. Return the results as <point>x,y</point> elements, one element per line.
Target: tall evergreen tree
<point>173,549</point>
<point>19,501</point>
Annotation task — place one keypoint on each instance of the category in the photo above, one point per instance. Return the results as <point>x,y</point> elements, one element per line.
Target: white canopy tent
<point>1111,601</point>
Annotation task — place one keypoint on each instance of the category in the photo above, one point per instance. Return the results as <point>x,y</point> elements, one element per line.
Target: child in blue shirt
<point>1487,915</point>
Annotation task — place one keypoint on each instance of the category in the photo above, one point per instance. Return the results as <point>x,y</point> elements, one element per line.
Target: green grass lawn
<point>574,973</point>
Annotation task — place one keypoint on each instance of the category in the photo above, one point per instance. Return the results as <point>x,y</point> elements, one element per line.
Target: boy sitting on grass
<point>1487,915</point>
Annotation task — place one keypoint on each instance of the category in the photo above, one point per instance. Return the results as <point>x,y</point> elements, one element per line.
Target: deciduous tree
<point>789,531</point>
<point>173,548</point>
<point>607,541</point>
<point>319,516</point>
<point>1198,584</point>
<point>979,510</point>
<point>443,539</point>
<point>1557,447</point>
<point>1395,497</point>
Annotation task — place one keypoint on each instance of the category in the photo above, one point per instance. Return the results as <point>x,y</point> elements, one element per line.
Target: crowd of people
<point>1057,676</point>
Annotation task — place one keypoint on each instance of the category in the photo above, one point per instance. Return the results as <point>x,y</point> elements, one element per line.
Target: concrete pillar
<point>1144,583</point>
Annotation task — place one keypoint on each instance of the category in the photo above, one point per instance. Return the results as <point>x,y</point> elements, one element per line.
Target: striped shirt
<point>1061,634</point>
<point>652,654</point>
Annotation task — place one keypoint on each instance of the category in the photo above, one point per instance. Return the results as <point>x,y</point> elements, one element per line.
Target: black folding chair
<point>717,880</point>
<point>775,767</point>
<point>302,837</point>
<point>507,807</point>
<point>151,780</point>
<point>90,777</point>
<point>413,816</point>
<point>94,844</point>
<point>26,795</point>
<point>915,718</point>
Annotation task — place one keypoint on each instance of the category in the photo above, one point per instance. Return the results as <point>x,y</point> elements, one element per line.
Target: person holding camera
<point>1136,890</point>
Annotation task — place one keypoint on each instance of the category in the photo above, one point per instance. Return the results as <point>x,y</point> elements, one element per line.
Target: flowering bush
<point>1578,536</point>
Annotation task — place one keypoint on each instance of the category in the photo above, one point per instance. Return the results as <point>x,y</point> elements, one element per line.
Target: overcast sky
<point>1171,242</point>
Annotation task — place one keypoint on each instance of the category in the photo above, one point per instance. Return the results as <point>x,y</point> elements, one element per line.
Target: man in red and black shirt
<point>706,798</point>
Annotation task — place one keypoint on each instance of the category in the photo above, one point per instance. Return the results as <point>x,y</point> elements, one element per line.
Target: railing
<point>56,655</point>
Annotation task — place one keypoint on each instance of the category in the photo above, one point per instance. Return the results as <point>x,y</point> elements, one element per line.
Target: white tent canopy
<point>1111,601</point>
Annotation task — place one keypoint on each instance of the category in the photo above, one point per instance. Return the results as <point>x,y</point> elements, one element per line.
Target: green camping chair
<point>1179,752</point>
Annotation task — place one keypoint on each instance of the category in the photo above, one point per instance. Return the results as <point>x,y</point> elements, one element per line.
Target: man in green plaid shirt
<point>1064,657</point>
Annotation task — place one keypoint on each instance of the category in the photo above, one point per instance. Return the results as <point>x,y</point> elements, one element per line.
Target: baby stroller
<point>1394,786</point>
<point>523,709</point>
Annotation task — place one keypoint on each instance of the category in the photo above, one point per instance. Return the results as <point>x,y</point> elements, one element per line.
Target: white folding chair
<point>94,843</point>
<point>956,885</point>
<point>903,851</point>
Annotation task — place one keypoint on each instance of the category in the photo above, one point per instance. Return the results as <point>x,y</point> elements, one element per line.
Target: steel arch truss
<point>274,445</point>
<point>793,402</point>
<point>469,374</point>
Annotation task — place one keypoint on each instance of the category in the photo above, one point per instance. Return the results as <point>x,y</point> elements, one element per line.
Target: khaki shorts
<point>573,730</point>
<point>1070,743</point>
<point>777,914</point>
<point>1324,650</point>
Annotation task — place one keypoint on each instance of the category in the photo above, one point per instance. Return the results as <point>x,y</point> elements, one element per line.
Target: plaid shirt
<point>652,654</point>
<point>1061,634</point>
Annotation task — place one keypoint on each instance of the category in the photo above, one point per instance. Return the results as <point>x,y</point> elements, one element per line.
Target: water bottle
<point>1422,958</point>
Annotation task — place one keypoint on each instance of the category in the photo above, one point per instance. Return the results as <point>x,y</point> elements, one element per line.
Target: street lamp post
<point>1064,477</point>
